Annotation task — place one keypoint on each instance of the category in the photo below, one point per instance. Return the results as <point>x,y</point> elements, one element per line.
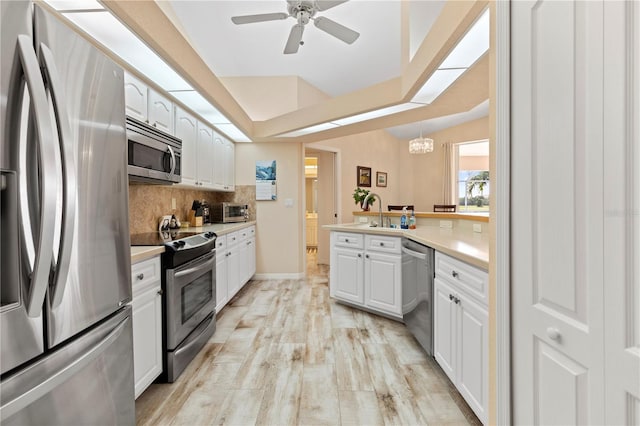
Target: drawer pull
<point>359,254</point>
<point>367,256</point>
<point>451,297</point>
<point>346,240</point>
<point>381,244</point>
<point>455,274</point>
<point>456,300</point>
<point>160,292</point>
<point>140,276</point>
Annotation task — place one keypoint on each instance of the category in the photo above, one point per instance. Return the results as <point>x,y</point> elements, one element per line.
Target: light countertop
<point>470,247</point>
<point>140,253</point>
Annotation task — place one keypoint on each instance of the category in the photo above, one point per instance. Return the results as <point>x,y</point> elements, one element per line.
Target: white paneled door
<point>575,330</point>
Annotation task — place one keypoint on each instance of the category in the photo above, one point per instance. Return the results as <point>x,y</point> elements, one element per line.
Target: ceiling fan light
<point>420,145</point>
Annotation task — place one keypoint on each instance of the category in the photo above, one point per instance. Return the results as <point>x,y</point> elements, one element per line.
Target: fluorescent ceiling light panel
<point>309,130</point>
<point>473,45</point>
<point>233,132</point>
<point>200,105</point>
<point>111,33</point>
<point>74,4</point>
<point>439,81</point>
<point>377,113</point>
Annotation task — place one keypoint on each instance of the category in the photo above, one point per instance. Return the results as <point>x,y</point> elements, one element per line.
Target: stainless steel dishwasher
<point>417,292</point>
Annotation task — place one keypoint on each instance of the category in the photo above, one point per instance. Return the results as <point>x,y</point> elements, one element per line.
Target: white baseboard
<point>290,276</point>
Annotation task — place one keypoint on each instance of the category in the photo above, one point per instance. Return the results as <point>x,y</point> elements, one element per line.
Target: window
<point>472,164</point>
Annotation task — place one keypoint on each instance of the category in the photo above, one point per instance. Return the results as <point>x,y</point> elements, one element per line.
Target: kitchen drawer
<point>145,274</point>
<point>243,234</point>
<point>221,243</point>
<point>470,279</point>
<point>233,238</point>
<point>343,239</point>
<point>383,244</point>
<point>252,231</point>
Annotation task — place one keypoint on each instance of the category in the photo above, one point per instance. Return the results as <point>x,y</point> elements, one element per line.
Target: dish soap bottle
<point>403,219</point>
<point>412,220</point>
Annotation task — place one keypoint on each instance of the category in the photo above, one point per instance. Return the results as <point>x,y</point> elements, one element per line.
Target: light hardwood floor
<point>284,353</point>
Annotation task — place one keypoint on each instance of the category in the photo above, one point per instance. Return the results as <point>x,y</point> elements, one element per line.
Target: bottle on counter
<point>403,219</point>
<point>412,220</point>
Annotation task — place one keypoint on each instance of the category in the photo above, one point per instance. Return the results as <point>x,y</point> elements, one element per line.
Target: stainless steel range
<point>189,295</point>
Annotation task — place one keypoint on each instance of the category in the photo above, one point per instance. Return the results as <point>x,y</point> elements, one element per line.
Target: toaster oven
<point>229,212</point>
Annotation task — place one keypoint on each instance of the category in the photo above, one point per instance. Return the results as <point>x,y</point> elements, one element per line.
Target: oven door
<point>190,297</point>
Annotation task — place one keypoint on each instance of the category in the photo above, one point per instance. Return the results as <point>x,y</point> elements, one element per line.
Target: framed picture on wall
<point>364,176</point>
<point>381,178</point>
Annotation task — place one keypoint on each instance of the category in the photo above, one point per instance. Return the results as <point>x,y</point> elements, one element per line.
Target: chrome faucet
<point>365,204</point>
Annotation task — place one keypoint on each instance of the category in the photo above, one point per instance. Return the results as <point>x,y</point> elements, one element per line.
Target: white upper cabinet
<point>224,164</point>
<point>205,156</point>
<point>160,112</point>
<point>136,102</point>
<point>187,131</point>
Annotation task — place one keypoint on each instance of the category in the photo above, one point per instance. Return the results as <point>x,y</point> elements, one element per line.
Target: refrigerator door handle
<point>48,184</point>
<point>26,398</point>
<point>68,173</point>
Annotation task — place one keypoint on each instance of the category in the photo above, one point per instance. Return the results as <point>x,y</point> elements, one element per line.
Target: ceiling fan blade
<point>328,4</point>
<point>249,19</point>
<point>295,36</point>
<point>338,31</point>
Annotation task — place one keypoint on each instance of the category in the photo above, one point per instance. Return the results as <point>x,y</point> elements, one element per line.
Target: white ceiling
<point>255,49</point>
<point>327,63</point>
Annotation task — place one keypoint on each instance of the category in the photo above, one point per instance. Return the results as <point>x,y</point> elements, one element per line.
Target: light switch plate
<point>288,202</point>
<point>477,227</point>
<point>446,224</point>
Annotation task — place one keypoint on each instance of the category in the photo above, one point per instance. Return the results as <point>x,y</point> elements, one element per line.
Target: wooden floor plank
<point>319,404</point>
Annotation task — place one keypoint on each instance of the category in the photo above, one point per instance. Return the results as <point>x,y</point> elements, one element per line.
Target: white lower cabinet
<point>461,330</point>
<point>366,270</point>
<point>235,263</point>
<point>147,322</point>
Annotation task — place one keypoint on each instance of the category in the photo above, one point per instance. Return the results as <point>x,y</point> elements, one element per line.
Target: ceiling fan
<point>303,11</point>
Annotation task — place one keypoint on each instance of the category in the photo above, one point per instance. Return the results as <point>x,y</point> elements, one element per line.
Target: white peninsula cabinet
<point>147,322</point>
<point>461,329</point>
<point>366,271</point>
<point>235,263</point>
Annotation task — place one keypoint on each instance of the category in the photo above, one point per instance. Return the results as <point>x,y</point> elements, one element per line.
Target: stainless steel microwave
<point>153,156</point>
<point>229,212</point>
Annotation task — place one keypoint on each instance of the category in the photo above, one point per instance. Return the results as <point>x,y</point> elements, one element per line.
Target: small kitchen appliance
<point>229,212</point>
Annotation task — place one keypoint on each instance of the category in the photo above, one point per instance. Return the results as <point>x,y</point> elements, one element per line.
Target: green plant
<point>359,194</point>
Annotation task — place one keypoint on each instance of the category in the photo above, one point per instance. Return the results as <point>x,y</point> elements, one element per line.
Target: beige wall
<point>428,169</point>
<point>279,228</point>
<point>326,202</point>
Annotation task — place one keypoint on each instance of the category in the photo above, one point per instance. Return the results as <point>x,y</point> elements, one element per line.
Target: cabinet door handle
<point>346,240</point>
<point>160,292</point>
<point>367,256</point>
<point>554,334</point>
<point>456,300</point>
<point>455,274</point>
<point>451,297</point>
<point>359,254</point>
<point>140,276</point>
<point>381,244</point>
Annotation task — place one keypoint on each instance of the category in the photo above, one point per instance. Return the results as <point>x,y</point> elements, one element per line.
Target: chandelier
<point>420,145</point>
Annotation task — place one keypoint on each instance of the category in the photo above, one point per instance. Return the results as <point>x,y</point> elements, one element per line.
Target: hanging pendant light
<point>420,145</point>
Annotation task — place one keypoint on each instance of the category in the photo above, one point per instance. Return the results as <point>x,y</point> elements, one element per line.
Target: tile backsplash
<point>147,203</point>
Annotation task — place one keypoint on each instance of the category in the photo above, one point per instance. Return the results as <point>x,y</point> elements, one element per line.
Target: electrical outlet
<point>173,203</point>
<point>477,227</point>
<point>363,219</point>
<point>446,224</point>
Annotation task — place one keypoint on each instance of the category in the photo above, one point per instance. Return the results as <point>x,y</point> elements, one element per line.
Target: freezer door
<point>86,382</point>
<point>22,281</point>
<point>92,277</point>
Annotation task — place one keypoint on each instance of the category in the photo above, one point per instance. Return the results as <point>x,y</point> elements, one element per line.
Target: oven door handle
<point>206,263</point>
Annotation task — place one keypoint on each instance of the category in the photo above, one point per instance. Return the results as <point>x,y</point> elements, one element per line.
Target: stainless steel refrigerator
<point>65,316</point>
